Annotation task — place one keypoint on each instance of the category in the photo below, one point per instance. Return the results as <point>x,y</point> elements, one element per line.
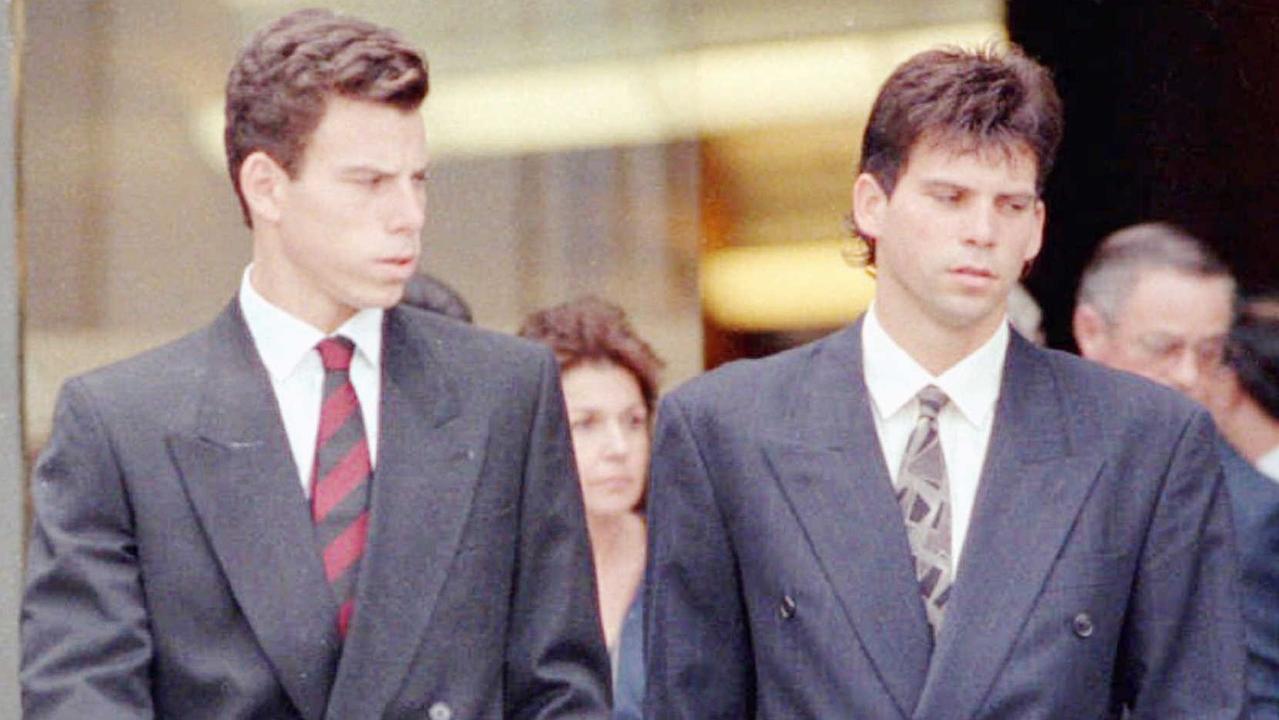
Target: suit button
<point>787,607</point>
<point>1082,625</point>
<point>440,711</point>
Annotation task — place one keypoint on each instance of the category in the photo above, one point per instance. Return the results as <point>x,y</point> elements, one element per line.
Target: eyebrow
<point>375,170</point>
<point>936,184</point>
<point>353,170</point>
<point>944,184</point>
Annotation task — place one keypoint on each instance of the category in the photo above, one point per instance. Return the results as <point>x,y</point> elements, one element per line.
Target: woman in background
<point>609,376</point>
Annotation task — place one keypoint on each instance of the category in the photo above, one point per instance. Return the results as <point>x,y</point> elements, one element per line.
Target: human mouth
<point>401,267</point>
<point>614,482</point>
<point>973,274</point>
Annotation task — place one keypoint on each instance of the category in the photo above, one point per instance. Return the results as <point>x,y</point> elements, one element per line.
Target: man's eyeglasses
<point>1167,349</point>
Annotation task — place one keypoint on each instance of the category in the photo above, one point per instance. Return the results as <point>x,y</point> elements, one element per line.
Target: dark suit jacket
<point>1256,504</point>
<point>173,571</point>
<point>1098,568</point>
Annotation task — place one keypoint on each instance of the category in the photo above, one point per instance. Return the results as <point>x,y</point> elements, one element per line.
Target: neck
<point>935,346</point>
<point>282,291</point>
<point>613,534</point>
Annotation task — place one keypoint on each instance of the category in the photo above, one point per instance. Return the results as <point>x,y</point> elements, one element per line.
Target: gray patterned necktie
<point>924,495</point>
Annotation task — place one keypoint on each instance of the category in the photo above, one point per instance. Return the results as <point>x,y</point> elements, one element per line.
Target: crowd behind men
<point>329,504</point>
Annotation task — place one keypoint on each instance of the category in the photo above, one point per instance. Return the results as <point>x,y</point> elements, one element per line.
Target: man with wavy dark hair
<point>325,504</point>
<point>924,515</point>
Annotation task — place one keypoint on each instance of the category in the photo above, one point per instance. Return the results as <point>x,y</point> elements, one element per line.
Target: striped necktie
<point>341,478</point>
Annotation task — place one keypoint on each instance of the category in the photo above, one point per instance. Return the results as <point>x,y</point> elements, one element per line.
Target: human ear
<point>869,203</point>
<point>1090,331</point>
<point>262,182</point>
<point>1037,243</point>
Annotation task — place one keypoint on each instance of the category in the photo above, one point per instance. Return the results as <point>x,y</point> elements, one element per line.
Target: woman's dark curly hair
<point>590,329</point>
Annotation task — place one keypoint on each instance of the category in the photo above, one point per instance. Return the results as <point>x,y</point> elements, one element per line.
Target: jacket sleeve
<point>86,646</point>
<point>556,664</point>
<point>697,646</point>
<point>1182,652</point>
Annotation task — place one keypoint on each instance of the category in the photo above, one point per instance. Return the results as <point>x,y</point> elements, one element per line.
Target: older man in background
<point>1156,302</point>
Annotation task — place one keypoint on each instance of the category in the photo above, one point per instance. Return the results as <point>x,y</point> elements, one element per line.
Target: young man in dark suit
<point>321,505</point>
<point>923,515</point>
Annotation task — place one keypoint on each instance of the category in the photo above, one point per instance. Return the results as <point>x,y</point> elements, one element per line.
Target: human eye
<point>369,181</point>
<point>1161,346</point>
<point>1017,204</point>
<point>1211,351</point>
<point>583,422</point>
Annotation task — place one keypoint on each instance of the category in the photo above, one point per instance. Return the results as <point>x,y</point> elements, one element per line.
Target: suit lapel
<point>1032,487</point>
<point>242,482</point>
<point>428,459</point>
<point>841,493</point>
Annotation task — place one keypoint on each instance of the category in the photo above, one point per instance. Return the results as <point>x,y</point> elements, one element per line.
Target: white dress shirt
<point>1268,464</point>
<point>287,348</point>
<point>893,379</point>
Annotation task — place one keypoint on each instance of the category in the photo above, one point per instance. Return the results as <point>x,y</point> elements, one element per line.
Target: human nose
<point>981,225</point>
<point>1185,372</point>
<point>617,440</point>
<point>408,211</point>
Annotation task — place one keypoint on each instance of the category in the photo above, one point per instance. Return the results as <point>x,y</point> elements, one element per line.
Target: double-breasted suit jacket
<point>1098,569</point>
<point>173,571</point>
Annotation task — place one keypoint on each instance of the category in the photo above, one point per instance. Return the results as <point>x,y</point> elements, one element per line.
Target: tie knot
<point>336,352</point>
<point>931,401</point>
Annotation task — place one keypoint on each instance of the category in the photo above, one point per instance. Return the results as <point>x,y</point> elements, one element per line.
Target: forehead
<point>364,133</point>
<point>1170,301</point>
<point>967,160</point>
<point>598,382</point>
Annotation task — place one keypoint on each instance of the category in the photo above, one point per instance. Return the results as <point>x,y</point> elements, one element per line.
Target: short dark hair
<point>282,79</point>
<point>1252,351</point>
<point>994,96</point>
<point>589,329</point>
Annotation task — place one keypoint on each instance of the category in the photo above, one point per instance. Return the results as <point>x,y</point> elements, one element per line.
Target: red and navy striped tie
<point>341,478</point>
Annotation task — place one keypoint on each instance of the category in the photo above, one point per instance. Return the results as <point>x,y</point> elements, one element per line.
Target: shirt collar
<point>284,341</point>
<point>1268,463</point>
<point>893,378</point>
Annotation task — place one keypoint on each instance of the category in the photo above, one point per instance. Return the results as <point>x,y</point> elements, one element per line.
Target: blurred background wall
<point>11,451</point>
<point>691,161</point>
<point>636,149</point>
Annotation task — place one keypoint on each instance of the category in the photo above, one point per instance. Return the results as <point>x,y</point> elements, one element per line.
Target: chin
<point>613,508</point>
<point>393,301</point>
<point>971,312</point>
<point>384,300</point>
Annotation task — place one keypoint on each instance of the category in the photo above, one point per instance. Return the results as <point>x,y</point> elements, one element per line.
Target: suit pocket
<point>1078,569</point>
